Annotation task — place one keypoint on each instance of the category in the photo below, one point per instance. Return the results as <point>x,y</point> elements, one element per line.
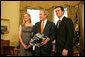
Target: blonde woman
<point>25,31</point>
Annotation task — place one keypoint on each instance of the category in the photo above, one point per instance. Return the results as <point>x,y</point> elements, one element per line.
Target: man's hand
<point>48,39</point>
<point>65,52</point>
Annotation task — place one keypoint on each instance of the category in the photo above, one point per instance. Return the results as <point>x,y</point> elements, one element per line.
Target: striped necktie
<point>42,26</point>
<point>58,23</point>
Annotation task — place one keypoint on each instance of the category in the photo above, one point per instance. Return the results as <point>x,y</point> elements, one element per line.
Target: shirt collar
<point>61,17</point>
<point>45,21</point>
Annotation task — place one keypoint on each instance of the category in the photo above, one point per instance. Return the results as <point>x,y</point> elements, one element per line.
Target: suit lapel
<point>40,26</point>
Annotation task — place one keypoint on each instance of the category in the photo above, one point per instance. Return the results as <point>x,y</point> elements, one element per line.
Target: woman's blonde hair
<point>28,15</point>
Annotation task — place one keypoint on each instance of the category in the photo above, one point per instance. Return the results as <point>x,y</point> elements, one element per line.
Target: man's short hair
<point>45,11</point>
<point>60,7</point>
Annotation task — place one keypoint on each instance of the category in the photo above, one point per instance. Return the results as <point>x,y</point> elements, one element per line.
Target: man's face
<point>59,12</point>
<point>42,15</point>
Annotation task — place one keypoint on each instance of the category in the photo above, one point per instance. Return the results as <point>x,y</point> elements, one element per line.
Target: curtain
<point>50,14</point>
<point>81,27</point>
<point>71,12</point>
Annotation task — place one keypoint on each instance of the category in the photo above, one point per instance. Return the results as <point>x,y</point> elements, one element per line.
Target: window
<point>34,15</point>
<point>56,18</point>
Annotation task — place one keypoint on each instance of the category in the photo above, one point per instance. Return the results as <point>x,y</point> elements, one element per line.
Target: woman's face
<point>26,17</point>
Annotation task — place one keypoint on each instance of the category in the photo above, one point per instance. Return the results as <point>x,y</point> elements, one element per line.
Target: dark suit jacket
<point>64,35</point>
<point>49,31</point>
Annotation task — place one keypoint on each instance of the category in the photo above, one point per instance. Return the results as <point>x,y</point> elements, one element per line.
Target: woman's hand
<point>28,46</point>
<point>25,46</point>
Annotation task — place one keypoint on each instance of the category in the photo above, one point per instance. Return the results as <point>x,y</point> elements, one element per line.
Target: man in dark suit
<point>64,34</point>
<point>49,30</point>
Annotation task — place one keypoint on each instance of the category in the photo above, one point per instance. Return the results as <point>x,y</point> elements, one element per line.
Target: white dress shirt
<point>59,21</point>
<point>61,18</point>
<point>45,21</point>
